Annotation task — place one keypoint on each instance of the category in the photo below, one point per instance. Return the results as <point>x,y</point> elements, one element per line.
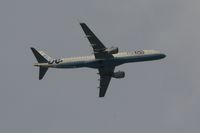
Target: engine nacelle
<point>112,50</point>
<point>118,75</point>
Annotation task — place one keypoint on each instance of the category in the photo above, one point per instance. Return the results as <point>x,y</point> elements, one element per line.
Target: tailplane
<point>42,72</point>
<point>41,58</point>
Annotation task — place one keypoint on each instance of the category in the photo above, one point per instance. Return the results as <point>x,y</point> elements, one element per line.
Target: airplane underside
<point>101,63</point>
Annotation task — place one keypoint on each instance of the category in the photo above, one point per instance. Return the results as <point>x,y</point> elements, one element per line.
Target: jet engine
<point>112,50</point>
<point>118,75</point>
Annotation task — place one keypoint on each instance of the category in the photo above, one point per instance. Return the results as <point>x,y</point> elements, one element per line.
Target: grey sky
<point>159,96</point>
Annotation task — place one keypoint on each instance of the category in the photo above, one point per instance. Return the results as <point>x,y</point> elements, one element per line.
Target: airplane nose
<point>163,55</point>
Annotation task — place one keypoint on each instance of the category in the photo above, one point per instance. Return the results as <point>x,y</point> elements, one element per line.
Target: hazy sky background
<point>155,97</point>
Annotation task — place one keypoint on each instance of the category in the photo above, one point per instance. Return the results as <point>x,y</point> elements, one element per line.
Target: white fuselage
<point>118,59</point>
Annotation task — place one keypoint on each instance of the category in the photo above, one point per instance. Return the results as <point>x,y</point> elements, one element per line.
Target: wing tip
<point>82,23</point>
<point>101,96</point>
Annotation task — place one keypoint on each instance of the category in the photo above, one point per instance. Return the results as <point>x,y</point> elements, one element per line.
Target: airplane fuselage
<point>116,60</point>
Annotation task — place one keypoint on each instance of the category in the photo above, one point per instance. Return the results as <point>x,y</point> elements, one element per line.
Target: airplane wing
<point>99,53</point>
<point>105,77</point>
<point>97,45</point>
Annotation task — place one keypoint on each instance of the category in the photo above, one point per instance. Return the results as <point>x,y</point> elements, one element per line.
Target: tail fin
<point>41,58</point>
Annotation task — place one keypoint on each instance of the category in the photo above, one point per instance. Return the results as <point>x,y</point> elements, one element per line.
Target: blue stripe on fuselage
<point>116,61</point>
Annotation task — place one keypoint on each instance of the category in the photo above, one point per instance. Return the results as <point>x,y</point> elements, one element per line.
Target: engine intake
<point>112,50</point>
<point>118,75</point>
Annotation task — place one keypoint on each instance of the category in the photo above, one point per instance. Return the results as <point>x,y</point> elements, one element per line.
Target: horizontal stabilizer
<point>42,72</point>
<point>47,57</point>
<point>38,56</point>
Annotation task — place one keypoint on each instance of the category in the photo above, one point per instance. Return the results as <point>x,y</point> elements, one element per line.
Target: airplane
<point>103,59</point>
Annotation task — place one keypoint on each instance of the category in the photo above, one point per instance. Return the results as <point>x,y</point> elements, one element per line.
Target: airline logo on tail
<point>49,59</point>
<point>55,61</point>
